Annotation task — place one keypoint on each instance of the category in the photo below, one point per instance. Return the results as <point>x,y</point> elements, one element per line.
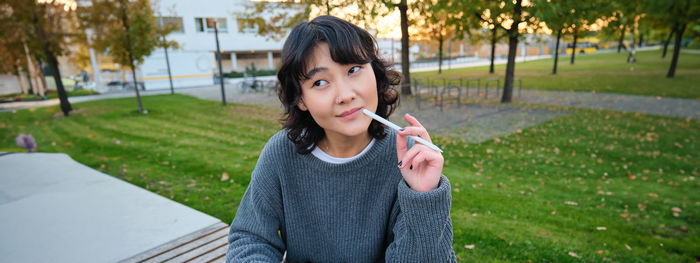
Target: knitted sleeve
<point>253,236</point>
<point>422,231</point>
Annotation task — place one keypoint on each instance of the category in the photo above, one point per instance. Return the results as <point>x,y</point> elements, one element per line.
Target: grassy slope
<point>509,194</point>
<point>606,72</point>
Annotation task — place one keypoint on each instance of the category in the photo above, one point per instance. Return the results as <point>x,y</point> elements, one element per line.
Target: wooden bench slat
<point>217,255</point>
<point>191,246</point>
<point>220,259</point>
<point>201,250</point>
<point>174,243</point>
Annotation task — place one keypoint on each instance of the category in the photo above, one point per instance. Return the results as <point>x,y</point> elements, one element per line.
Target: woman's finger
<point>401,146</point>
<point>412,120</point>
<point>408,159</point>
<point>416,131</point>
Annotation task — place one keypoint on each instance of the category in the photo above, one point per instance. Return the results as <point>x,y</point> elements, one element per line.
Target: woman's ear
<point>302,106</point>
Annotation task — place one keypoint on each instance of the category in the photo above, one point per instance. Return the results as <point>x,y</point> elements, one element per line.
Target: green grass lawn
<point>53,94</point>
<point>589,186</point>
<point>605,72</point>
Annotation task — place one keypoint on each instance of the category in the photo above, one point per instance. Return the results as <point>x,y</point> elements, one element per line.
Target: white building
<point>194,64</point>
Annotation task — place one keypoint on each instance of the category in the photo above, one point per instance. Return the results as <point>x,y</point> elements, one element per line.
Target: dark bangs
<point>347,44</point>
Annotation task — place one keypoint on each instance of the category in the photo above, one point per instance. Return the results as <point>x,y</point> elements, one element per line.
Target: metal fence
<point>443,91</point>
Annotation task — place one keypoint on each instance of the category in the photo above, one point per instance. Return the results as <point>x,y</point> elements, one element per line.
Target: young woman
<point>334,185</point>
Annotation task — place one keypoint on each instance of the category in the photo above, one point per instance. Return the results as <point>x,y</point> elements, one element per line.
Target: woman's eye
<point>354,69</point>
<point>320,83</point>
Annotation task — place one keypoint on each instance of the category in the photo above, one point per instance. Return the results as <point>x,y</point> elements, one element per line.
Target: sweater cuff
<point>433,202</point>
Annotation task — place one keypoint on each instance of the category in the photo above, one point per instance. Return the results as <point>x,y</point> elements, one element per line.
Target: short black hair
<point>348,44</point>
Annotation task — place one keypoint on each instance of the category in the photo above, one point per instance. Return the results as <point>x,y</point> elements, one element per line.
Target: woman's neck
<point>342,146</point>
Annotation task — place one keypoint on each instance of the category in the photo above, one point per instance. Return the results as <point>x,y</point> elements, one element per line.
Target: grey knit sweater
<point>360,211</point>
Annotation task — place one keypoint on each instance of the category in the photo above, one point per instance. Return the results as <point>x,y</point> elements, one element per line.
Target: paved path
<point>54,209</point>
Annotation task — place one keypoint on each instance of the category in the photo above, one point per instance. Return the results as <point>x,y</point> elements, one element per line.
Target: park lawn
<point>73,93</point>
<point>539,194</point>
<point>51,95</point>
<point>603,72</point>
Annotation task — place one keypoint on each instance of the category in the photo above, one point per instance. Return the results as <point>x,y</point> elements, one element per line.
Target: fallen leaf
<point>628,247</point>
<point>571,203</point>
<point>574,254</point>
<point>224,176</point>
<point>601,228</point>
<point>469,246</point>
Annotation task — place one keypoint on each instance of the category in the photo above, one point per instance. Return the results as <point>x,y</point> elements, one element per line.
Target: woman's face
<point>334,94</point>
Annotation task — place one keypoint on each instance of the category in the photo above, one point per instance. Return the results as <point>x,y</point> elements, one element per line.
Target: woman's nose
<point>346,93</point>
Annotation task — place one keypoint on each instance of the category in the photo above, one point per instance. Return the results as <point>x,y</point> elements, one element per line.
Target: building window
<point>174,21</point>
<point>207,24</point>
<point>247,28</point>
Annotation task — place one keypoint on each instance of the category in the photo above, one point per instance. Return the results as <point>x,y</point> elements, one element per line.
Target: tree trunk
<point>167,63</point>
<point>405,67</point>
<point>512,49</point>
<point>53,66</point>
<point>668,39</point>
<point>42,88</point>
<point>29,81</point>
<point>676,51</point>
<point>620,43</point>
<point>641,39</point>
<point>125,23</point>
<point>556,53</point>
<point>22,84</point>
<point>494,35</point>
<point>573,50</point>
<point>440,40</point>
<point>630,57</point>
<point>18,73</point>
<point>62,95</point>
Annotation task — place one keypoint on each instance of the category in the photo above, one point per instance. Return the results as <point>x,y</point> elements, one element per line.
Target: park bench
<point>206,245</point>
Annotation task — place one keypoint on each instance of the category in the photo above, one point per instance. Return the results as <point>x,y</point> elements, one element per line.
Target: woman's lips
<point>350,114</point>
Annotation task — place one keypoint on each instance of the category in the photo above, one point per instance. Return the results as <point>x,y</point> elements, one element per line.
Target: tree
<point>11,47</point>
<point>515,14</point>
<point>618,21</point>
<point>124,29</point>
<point>273,20</point>
<point>668,39</point>
<point>475,16</point>
<point>163,29</point>
<point>581,14</point>
<point>41,26</point>
<point>678,14</point>
<point>436,26</point>
<point>555,15</point>
<point>371,9</point>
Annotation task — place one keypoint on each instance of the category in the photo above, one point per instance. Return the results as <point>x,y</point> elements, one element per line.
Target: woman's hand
<point>420,166</point>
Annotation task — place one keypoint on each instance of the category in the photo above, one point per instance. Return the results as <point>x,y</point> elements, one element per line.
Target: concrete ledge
<point>58,210</point>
